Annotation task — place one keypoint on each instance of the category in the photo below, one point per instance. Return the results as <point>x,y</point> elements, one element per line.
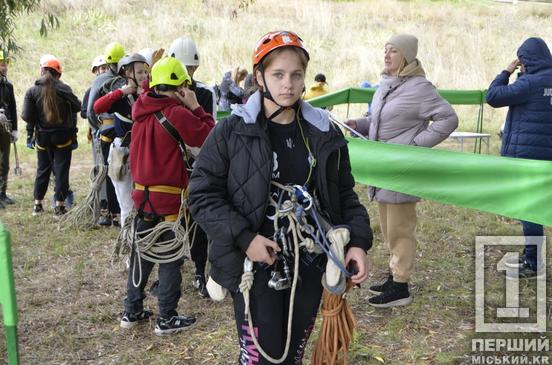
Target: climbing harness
<point>295,212</point>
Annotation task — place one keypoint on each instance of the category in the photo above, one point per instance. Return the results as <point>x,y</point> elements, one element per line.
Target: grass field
<point>70,294</point>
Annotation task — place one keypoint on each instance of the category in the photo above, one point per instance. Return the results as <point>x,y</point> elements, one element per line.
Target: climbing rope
<point>245,286</point>
<point>86,215</point>
<point>123,243</point>
<point>147,243</point>
<point>293,210</point>
<point>336,332</point>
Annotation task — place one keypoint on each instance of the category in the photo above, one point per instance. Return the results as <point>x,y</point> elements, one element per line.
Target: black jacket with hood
<point>229,187</point>
<point>7,101</point>
<point>68,105</point>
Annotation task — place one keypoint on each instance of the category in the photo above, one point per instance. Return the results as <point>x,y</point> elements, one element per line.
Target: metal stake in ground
<point>17,170</point>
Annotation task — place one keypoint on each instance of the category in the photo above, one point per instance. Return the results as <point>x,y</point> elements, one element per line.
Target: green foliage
<point>10,10</point>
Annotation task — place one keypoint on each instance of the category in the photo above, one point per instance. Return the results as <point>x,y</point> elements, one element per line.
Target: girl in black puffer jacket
<point>50,110</point>
<point>274,137</point>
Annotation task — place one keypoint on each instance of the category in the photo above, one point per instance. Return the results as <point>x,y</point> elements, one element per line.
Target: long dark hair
<point>49,96</point>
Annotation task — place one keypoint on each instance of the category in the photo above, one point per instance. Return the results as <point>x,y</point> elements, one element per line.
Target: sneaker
<point>59,211</point>
<point>515,263</point>
<point>105,219</point>
<point>174,324</point>
<point>37,210</point>
<point>524,272</point>
<point>68,202</point>
<point>396,295</point>
<point>129,320</point>
<point>6,200</point>
<point>201,285</point>
<point>381,287</point>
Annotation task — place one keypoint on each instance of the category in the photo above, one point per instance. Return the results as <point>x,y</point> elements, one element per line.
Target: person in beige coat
<point>406,109</point>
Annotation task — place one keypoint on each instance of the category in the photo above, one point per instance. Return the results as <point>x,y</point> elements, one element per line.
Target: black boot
<point>381,287</point>
<point>396,295</point>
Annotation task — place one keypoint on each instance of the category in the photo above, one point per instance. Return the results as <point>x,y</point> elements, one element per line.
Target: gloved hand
<point>14,136</point>
<point>157,55</point>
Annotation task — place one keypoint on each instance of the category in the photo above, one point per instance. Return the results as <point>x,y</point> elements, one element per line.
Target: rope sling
<point>295,211</point>
<point>147,243</point>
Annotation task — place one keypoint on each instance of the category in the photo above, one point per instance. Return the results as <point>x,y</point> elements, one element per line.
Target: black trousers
<point>58,160</point>
<point>269,309</point>
<point>112,203</point>
<point>170,279</point>
<point>5,143</point>
<point>199,248</point>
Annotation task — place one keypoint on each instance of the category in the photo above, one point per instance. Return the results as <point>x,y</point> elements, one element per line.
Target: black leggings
<point>58,160</point>
<point>269,309</point>
<point>112,202</point>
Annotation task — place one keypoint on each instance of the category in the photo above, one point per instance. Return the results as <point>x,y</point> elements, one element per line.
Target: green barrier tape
<point>511,187</point>
<point>356,95</point>
<point>7,286</point>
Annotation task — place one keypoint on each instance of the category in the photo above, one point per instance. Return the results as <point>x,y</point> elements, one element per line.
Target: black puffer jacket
<point>68,105</point>
<point>229,187</point>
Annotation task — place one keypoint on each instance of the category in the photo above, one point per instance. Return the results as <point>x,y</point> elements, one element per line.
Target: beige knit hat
<point>407,44</point>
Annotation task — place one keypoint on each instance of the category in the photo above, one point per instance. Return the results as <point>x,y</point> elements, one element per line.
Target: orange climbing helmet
<point>52,62</point>
<point>273,40</point>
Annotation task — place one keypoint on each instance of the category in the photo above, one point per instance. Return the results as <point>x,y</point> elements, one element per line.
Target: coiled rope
<point>86,215</point>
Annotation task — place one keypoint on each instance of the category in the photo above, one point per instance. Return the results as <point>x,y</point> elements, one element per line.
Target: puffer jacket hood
<point>319,118</point>
<point>528,127</point>
<point>535,55</point>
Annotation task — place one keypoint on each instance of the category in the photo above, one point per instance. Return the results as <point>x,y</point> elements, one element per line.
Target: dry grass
<point>70,296</point>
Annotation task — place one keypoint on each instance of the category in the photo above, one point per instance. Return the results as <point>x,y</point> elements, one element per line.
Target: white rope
<point>123,243</point>
<point>147,244</point>
<point>86,215</point>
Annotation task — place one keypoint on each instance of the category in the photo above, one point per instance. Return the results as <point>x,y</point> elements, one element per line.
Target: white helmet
<point>45,58</point>
<point>184,49</point>
<point>147,53</point>
<point>97,62</point>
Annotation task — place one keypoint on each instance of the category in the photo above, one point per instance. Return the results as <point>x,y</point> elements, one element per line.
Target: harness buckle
<point>303,197</point>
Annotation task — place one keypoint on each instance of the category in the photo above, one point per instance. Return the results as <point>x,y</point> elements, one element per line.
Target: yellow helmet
<point>169,71</point>
<point>4,56</point>
<point>113,53</point>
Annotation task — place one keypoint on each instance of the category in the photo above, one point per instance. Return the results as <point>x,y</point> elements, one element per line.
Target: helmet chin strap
<point>266,94</point>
